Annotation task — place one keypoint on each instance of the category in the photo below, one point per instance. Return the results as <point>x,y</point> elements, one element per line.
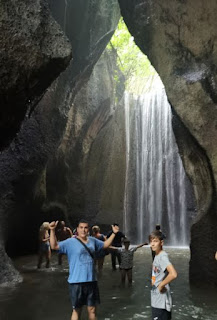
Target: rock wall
<point>179,38</point>
<point>33,52</point>
<point>90,162</point>
<point>23,163</point>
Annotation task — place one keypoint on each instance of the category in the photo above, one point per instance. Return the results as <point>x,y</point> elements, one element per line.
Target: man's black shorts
<point>160,314</point>
<point>84,294</point>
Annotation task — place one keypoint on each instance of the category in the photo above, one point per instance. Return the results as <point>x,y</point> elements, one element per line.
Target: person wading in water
<point>82,274</point>
<point>62,233</point>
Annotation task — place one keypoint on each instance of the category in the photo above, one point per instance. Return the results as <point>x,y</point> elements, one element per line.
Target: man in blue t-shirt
<point>82,276</point>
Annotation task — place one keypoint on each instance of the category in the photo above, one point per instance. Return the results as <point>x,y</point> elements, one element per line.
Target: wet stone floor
<point>43,295</point>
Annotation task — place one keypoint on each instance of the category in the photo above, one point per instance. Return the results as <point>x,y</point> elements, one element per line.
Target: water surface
<point>44,294</point>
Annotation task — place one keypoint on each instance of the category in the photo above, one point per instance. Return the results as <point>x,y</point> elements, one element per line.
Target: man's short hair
<point>83,221</point>
<point>156,234</point>
<point>96,229</point>
<point>115,224</point>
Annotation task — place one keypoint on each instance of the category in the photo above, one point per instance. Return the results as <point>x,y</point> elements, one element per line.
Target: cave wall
<point>87,173</point>
<point>105,169</point>
<point>23,162</point>
<point>179,37</point>
<point>33,52</point>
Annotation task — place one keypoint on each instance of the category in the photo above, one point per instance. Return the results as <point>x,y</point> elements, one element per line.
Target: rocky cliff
<point>90,162</point>
<point>33,52</point>
<point>89,26</point>
<point>179,38</point>
<point>57,126</point>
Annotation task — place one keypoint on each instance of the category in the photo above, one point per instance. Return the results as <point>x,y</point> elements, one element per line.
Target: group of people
<point>84,251</point>
<point>62,233</point>
<point>123,255</point>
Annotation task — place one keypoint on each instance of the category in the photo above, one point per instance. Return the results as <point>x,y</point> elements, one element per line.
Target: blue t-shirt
<point>81,265</point>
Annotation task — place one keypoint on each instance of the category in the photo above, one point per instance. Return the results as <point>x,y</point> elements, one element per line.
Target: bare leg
<point>123,276</point>
<point>40,258</point>
<point>48,256</point>
<point>119,258</point>
<point>76,313</point>
<point>91,313</point>
<point>130,276</point>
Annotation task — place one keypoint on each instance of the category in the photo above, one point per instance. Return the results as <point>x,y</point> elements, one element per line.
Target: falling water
<point>65,15</point>
<point>155,189</point>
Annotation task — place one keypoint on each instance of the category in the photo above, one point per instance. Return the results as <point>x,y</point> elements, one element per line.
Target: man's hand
<point>53,225</point>
<point>108,241</point>
<point>115,229</point>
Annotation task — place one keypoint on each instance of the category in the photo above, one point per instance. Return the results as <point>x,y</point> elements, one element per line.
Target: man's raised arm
<point>53,240</point>
<point>141,245</point>
<point>108,241</point>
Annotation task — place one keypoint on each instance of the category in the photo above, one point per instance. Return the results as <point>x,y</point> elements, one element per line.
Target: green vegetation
<point>134,65</point>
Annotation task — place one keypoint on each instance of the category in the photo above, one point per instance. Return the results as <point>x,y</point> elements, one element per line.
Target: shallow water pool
<point>44,293</point>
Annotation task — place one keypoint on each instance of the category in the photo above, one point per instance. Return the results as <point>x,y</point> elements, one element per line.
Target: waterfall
<point>65,15</point>
<point>127,127</point>
<point>155,188</point>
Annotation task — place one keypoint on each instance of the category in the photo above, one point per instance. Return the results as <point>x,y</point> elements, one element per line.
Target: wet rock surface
<point>90,162</point>
<point>8,273</point>
<point>33,52</point>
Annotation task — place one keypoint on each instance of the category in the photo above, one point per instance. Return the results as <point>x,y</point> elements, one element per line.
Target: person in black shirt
<point>117,242</point>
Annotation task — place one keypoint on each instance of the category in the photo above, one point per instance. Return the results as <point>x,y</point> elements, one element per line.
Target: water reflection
<point>44,294</point>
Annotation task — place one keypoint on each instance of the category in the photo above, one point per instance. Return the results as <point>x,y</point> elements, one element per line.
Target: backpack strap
<point>88,250</point>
